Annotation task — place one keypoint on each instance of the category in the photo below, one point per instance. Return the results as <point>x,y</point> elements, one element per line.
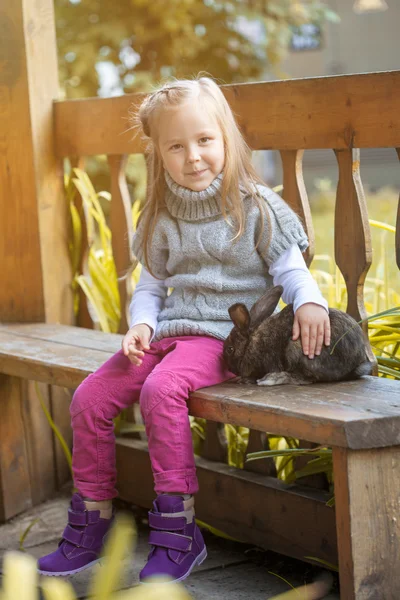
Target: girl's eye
<point>175,147</point>
<point>203,140</point>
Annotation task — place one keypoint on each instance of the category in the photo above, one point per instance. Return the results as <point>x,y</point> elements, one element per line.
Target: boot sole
<point>66,573</point>
<point>196,563</point>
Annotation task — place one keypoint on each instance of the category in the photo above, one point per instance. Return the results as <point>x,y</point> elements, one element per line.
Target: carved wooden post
<point>33,235</point>
<point>295,194</point>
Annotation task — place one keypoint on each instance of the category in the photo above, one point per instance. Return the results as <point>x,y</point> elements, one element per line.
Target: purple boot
<point>81,543</point>
<point>177,544</point>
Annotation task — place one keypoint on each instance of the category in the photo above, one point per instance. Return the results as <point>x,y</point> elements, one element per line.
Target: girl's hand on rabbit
<point>311,322</point>
<point>135,342</point>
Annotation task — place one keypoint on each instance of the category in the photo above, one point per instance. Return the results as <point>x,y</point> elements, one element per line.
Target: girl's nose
<point>193,156</point>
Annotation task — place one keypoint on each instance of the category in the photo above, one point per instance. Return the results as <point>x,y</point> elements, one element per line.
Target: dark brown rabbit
<point>260,346</point>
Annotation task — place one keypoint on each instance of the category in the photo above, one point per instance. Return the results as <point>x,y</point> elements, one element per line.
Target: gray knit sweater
<point>193,251</point>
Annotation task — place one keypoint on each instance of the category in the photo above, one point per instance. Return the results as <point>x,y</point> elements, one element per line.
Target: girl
<point>216,235</point>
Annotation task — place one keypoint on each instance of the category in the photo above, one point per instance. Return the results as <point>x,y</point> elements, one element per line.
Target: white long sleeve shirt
<point>289,270</point>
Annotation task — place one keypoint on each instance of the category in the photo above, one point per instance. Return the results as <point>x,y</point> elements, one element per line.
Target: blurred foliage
<point>141,42</point>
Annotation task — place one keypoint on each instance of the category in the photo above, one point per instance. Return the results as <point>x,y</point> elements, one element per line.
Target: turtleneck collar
<point>190,205</point>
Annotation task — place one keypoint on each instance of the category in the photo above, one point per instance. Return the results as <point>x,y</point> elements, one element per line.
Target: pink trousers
<point>171,369</point>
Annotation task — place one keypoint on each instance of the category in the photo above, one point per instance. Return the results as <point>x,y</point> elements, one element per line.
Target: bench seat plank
<point>355,414</point>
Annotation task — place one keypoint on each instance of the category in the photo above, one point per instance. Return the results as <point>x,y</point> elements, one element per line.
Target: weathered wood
<point>40,443</point>
<point>215,446</point>
<point>258,441</point>
<point>250,507</point>
<point>397,240</point>
<point>353,250</point>
<point>36,272</point>
<point>60,400</point>
<point>295,194</point>
<point>122,231</point>
<point>15,486</point>
<point>318,480</point>
<point>280,115</point>
<point>367,491</point>
<point>354,414</point>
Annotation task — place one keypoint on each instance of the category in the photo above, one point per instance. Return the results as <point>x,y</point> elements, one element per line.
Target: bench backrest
<point>342,113</point>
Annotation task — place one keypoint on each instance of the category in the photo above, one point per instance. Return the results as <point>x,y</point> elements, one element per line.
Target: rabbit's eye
<point>229,350</point>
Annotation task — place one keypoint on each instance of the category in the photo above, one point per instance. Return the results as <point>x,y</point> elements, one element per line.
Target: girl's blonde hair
<point>238,169</point>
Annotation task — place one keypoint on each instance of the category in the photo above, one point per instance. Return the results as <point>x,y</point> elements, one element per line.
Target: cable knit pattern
<point>194,253</point>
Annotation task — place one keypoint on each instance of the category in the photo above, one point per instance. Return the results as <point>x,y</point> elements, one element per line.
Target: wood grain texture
<point>280,115</point>
<point>40,441</point>
<point>122,231</point>
<point>367,491</point>
<point>15,485</point>
<point>36,269</point>
<point>295,194</point>
<point>250,507</point>
<point>215,446</point>
<point>354,414</point>
<point>353,250</point>
<point>36,272</point>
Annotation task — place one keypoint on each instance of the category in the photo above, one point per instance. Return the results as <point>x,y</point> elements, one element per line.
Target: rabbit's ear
<point>265,306</point>
<point>240,316</point>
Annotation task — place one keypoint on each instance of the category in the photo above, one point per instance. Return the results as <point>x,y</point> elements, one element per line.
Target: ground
<point>232,570</point>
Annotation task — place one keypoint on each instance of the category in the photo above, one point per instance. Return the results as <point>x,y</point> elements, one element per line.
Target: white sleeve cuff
<point>299,287</point>
<point>147,300</point>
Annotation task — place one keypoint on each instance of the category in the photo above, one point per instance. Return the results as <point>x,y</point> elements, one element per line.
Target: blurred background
<point>113,48</point>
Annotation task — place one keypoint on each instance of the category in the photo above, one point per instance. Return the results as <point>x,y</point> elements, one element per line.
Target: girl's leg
<point>189,363</point>
<point>96,402</point>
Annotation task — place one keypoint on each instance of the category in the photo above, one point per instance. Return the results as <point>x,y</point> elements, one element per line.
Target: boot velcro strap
<point>172,541</point>
<point>157,521</point>
<point>78,538</point>
<point>87,517</point>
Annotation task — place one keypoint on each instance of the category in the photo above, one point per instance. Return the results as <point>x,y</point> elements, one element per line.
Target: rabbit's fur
<point>260,346</point>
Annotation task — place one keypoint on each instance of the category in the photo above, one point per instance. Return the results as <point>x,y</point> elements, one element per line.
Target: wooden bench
<point>359,419</point>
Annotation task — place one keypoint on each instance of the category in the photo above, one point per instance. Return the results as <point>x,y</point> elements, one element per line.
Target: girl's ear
<point>240,316</point>
<point>265,306</point>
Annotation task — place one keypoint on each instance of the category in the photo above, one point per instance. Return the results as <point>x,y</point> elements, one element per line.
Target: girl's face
<point>191,145</point>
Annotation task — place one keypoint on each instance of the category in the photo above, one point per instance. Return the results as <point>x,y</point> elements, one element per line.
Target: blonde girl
<point>215,234</point>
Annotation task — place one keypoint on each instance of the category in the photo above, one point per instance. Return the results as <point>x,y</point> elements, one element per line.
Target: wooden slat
<point>34,217</point>
<point>66,334</point>
<point>258,441</point>
<point>15,486</point>
<point>122,230</point>
<point>280,115</point>
<point>57,364</point>
<point>367,492</point>
<point>397,242</point>
<point>342,414</point>
<point>251,507</point>
<point>355,414</point>
<point>353,250</point>
<point>215,446</point>
<point>42,449</point>
<point>295,194</point>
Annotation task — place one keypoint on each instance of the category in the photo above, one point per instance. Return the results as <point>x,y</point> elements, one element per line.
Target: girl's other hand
<point>135,342</point>
<point>311,322</point>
